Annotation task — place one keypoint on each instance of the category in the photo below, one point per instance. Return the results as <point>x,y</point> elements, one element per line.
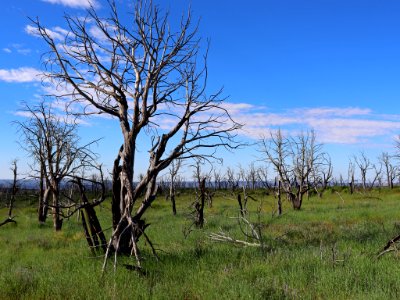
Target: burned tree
<point>53,143</point>
<point>147,76</point>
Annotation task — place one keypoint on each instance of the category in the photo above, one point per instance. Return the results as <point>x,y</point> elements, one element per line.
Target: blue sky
<point>332,66</point>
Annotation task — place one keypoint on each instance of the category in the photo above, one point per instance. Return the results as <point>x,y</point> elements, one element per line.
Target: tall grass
<point>325,251</point>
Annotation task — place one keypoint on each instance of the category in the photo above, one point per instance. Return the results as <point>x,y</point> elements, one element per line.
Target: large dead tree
<point>147,76</point>
<point>53,143</point>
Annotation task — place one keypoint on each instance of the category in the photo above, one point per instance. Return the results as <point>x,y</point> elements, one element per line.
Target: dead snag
<point>199,205</point>
<point>390,246</point>
<point>239,199</point>
<point>91,225</point>
<point>10,218</point>
<point>197,215</point>
<point>173,171</point>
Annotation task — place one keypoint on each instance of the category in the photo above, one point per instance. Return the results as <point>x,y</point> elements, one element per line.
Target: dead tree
<point>199,205</point>
<point>93,232</point>
<point>251,231</point>
<point>350,173</point>
<point>377,177</point>
<point>10,218</point>
<point>390,169</point>
<point>294,160</point>
<point>201,195</point>
<point>86,209</point>
<point>322,174</point>
<point>263,178</point>
<point>276,151</point>
<point>252,176</point>
<point>173,172</point>
<point>146,75</point>
<point>278,196</point>
<point>232,179</point>
<point>364,164</point>
<point>53,143</point>
<point>217,179</point>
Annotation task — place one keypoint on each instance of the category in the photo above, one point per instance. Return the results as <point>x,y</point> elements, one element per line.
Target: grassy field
<point>328,250</point>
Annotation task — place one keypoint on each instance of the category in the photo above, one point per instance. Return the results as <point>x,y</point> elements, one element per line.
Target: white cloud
<point>75,3</point>
<point>334,111</point>
<point>23,74</point>
<point>56,33</point>
<point>19,48</point>
<point>349,125</point>
<point>24,51</point>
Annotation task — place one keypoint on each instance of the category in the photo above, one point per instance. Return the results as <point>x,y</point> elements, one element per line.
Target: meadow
<point>327,250</point>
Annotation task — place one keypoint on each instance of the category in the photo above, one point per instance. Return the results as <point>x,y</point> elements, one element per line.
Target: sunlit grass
<point>325,251</point>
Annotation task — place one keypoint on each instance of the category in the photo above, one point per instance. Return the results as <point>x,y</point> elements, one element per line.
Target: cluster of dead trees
<point>300,164</point>
<point>384,172</point>
<point>140,73</point>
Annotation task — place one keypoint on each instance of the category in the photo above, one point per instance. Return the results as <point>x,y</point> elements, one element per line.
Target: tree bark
<point>279,198</point>
<point>173,204</point>
<point>57,221</point>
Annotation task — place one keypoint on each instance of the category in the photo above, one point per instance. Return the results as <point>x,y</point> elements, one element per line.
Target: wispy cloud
<point>19,48</point>
<point>56,33</point>
<point>348,125</point>
<point>23,74</point>
<point>75,3</point>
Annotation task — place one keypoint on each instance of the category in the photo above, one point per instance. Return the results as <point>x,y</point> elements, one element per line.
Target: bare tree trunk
<point>199,206</point>
<point>173,204</point>
<point>43,199</point>
<point>239,199</point>
<point>10,217</point>
<point>172,195</point>
<point>279,199</point>
<point>296,200</point>
<point>57,221</point>
<point>116,193</point>
<point>14,190</point>
<point>41,217</point>
<point>351,185</point>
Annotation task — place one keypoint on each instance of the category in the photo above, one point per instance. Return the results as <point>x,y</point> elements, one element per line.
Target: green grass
<point>325,251</point>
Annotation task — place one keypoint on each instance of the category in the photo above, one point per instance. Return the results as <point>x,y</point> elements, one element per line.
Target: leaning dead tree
<point>52,141</point>
<point>94,234</point>
<point>252,232</point>
<point>14,190</point>
<point>148,77</point>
